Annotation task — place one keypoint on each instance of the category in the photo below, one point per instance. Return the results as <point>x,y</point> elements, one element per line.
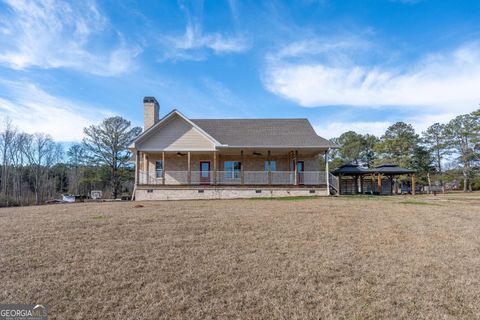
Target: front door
<point>300,169</point>
<point>204,172</point>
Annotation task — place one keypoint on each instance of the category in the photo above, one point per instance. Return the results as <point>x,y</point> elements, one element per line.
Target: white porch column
<point>295,167</point>
<point>137,169</point>
<point>189,174</point>
<point>145,167</point>
<point>269,169</point>
<point>327,173</point>
<point>242,176</point>
<point>163,167</point>
<point>214,167</point>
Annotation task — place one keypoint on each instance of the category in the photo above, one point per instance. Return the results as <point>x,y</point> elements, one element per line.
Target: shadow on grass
<point>362,196</point>
<point>298,198</point>
<point>420,203</point>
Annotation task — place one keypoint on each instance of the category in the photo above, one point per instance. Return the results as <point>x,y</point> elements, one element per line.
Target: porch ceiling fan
<point>256,153</point>
<point>179,154</point>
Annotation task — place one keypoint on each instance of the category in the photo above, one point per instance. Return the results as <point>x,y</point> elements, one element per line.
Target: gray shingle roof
<point>392,169</point>
<point>263,132</point>
<point>350,169</point>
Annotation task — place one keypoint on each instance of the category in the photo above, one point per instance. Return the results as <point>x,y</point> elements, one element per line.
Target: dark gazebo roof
<point>392,169</point>
<point>351,169</point>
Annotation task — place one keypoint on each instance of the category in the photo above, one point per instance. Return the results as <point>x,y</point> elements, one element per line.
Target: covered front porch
<point>242,167</point>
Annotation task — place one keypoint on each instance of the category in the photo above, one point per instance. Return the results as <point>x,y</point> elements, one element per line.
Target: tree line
<point>35,168</point>
<point>444,152</point>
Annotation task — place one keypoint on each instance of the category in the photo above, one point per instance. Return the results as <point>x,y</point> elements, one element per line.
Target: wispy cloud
<point>420,122</point>
<point>335,129</point>
<point>314,47</point>
<point>194,39</point>
<point>438,81</point>
<point>224,97</point>
<point>57,34</point>
<point>195,44</point>
<point>34,110</point>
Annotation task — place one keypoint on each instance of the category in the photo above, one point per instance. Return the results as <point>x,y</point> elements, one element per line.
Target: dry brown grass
<point>340,258</point>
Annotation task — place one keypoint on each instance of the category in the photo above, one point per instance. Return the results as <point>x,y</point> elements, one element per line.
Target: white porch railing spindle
<point>252,178</point>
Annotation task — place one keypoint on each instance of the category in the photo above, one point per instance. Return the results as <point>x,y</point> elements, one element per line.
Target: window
<point>232,169</point>
<point>273,166</point>
<point>159,168</point>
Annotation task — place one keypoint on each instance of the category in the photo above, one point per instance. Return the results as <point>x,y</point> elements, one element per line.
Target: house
<point>181,158</point>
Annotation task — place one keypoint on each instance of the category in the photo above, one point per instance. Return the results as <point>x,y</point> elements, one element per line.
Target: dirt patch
<point>322,258</point>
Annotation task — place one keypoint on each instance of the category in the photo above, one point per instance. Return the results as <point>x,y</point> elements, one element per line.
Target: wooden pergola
<point>356,174</point>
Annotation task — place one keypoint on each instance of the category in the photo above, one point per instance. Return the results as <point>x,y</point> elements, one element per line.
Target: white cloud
<point>194,45</point>
<point>442,82</point>
<point>57,34</point>
<point>34,110</point>
<point>313,46</point>
<point>419,121</point>
<point>335,129</point>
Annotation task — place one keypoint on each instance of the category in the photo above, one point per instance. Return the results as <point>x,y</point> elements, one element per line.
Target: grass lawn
<point>323,258</point>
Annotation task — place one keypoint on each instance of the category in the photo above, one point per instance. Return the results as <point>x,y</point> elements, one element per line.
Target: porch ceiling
<point>260,152</point>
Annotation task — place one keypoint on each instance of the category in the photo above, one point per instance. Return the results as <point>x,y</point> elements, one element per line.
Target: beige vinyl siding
<point>176,134</point>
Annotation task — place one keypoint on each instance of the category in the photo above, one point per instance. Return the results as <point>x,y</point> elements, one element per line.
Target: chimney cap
<point>150,100</point>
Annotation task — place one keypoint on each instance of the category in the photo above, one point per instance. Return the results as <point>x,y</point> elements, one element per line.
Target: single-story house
<point>181,158</point>
<point>353,179</point>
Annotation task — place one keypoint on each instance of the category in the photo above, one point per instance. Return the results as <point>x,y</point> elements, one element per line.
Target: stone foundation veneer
<point>199,193</point>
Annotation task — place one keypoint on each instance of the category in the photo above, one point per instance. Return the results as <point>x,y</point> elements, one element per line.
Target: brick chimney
<point>151,109</point>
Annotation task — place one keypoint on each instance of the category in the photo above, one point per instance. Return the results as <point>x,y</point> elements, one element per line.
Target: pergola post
<point>413,184</point>
<point>340,184</point>
<point>379,183</point>
<point>391,185</point>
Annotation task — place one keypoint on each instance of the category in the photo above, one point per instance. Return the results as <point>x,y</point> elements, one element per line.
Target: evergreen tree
<point>436,140</point>
<point>106,144</point>
<point>398,144</point>
<point>463,137</point>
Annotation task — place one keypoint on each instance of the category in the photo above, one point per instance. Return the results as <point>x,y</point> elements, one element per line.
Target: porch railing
<point>333,181</point>
<point>234,178</point>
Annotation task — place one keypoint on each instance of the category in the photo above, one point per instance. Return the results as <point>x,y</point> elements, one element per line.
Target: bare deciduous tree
<point>40,153</point>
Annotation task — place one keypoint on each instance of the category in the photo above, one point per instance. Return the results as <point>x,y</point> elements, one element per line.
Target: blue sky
<point>345,65</point>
